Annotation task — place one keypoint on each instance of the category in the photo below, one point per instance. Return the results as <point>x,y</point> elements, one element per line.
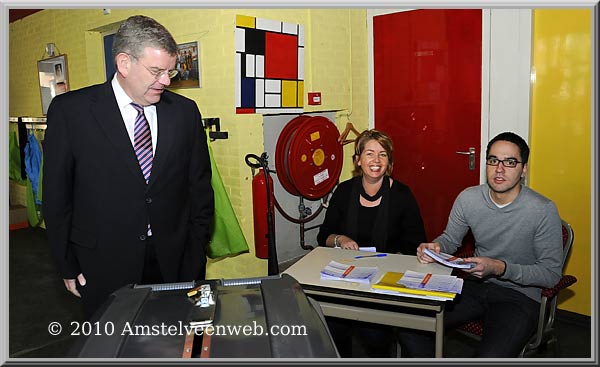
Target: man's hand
<point>423,257</point>
<point>485,266</point>
<point>72,286</point>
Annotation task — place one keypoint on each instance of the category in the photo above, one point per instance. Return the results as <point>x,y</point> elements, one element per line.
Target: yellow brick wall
<point>358,113</point>
<point>335,65</point>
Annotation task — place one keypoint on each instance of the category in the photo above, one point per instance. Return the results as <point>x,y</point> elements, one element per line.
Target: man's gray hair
<point>139,32</point>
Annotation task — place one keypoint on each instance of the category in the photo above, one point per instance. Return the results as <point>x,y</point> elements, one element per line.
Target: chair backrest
<point>567,235</point>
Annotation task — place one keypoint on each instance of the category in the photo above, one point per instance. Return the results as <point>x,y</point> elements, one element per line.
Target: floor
<point>574,340</point>
<point>37,298</point>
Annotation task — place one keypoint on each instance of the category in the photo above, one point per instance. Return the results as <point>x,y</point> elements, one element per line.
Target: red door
<point>427,67</point>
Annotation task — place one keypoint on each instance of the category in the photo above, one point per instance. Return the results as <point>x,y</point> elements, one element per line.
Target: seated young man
<point>518,251</point>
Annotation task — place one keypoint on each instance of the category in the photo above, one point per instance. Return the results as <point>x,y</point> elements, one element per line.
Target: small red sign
<point>314,98</point>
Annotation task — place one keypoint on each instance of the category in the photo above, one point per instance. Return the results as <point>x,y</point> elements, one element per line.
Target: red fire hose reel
<point>308,160</point>
<point>308,157</point>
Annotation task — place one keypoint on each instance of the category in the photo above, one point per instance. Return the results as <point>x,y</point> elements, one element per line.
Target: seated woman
<point>371,210</point>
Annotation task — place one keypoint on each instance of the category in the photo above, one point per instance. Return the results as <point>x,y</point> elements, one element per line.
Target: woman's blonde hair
<point>381,138</point>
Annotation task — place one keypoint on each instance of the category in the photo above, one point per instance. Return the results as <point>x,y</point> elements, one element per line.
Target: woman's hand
<point>347,243</point>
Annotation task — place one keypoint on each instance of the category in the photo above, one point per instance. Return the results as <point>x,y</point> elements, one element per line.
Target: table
<point>356,301</point>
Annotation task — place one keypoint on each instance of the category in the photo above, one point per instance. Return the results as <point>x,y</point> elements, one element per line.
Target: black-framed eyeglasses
<point>158,73</point>
<point>508,162</point>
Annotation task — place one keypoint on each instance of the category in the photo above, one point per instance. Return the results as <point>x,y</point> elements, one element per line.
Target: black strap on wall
<point>22,142</point>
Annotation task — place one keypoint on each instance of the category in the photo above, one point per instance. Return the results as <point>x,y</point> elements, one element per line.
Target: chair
<point>544,332</point>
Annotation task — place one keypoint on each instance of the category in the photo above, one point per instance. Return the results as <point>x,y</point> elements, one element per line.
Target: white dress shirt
<point>129,114</point>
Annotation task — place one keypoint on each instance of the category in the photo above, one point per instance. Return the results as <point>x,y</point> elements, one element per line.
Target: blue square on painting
<point>248,93</point>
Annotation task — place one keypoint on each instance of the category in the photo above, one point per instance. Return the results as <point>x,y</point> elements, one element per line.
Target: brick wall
<point>335,65</point>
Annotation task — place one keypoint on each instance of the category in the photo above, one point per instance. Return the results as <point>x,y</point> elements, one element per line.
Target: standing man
<point>518,250</point>
<point>127,193</point>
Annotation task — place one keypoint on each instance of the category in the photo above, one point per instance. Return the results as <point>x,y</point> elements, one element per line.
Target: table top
<point>357,301</point>
<point>307,270</point>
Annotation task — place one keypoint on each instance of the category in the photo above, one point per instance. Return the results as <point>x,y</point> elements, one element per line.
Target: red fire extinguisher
<point>263,209</point>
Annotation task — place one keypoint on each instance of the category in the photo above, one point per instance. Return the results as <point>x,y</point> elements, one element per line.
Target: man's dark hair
<point>138,32</point>
<point>513,138</point>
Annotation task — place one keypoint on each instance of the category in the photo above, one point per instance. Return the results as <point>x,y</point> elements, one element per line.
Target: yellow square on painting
<point>288,93</point>
<point>300,93</point>
<point>245,21</point>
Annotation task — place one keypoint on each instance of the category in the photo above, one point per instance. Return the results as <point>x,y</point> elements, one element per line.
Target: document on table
<point>350,273</point>
<point>431,282</point>
<point>390,283</point>
<point>368,249</point>
<point>406,294</point>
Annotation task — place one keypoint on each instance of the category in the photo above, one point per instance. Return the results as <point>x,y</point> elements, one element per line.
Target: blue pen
<point>363,256</point>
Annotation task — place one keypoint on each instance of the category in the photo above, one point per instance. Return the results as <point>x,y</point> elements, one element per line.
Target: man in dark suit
<point>127,193</point>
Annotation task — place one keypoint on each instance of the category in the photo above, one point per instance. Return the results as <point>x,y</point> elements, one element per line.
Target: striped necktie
<point>142,141</point>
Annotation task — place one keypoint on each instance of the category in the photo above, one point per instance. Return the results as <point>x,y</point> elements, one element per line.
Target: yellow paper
<point>390,282</point>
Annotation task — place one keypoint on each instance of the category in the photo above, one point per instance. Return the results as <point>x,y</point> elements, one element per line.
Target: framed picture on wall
<point>54,79</point>
<point>188,66</point>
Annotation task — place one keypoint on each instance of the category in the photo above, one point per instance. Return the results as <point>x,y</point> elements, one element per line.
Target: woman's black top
<point>401,233</point>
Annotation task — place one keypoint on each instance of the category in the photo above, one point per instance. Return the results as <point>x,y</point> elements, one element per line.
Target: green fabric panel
<point>34,213</point>
<point>14,169</point>
<point>227,238</point>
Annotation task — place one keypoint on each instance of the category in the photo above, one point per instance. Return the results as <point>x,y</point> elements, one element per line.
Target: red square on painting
<point>281,56</point>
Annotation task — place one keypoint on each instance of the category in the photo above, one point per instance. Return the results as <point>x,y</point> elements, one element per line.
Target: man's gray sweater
<point>526,234</point>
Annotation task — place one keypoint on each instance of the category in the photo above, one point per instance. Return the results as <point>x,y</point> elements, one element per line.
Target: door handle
<point>471,154</point>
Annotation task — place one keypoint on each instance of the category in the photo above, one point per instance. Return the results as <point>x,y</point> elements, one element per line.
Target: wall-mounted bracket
<point>216,133</point>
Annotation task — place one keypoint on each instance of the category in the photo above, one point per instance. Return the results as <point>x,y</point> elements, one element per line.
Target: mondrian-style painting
<point>269,66</point>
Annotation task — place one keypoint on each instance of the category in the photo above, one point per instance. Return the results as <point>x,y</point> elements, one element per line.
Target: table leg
<point>439,333</point>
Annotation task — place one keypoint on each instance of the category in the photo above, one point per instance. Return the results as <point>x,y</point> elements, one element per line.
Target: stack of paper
<point>449,260</point>
<point>351,273</point>
<point>411,295</point>
<point>411,283</point>
<point>432,282</point>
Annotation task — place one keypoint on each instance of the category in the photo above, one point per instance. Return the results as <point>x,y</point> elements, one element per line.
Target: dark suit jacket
<point>97,205</point>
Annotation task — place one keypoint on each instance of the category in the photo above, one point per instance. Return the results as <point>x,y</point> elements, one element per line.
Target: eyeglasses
<point>156,72</point>
<point>508,162</point>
